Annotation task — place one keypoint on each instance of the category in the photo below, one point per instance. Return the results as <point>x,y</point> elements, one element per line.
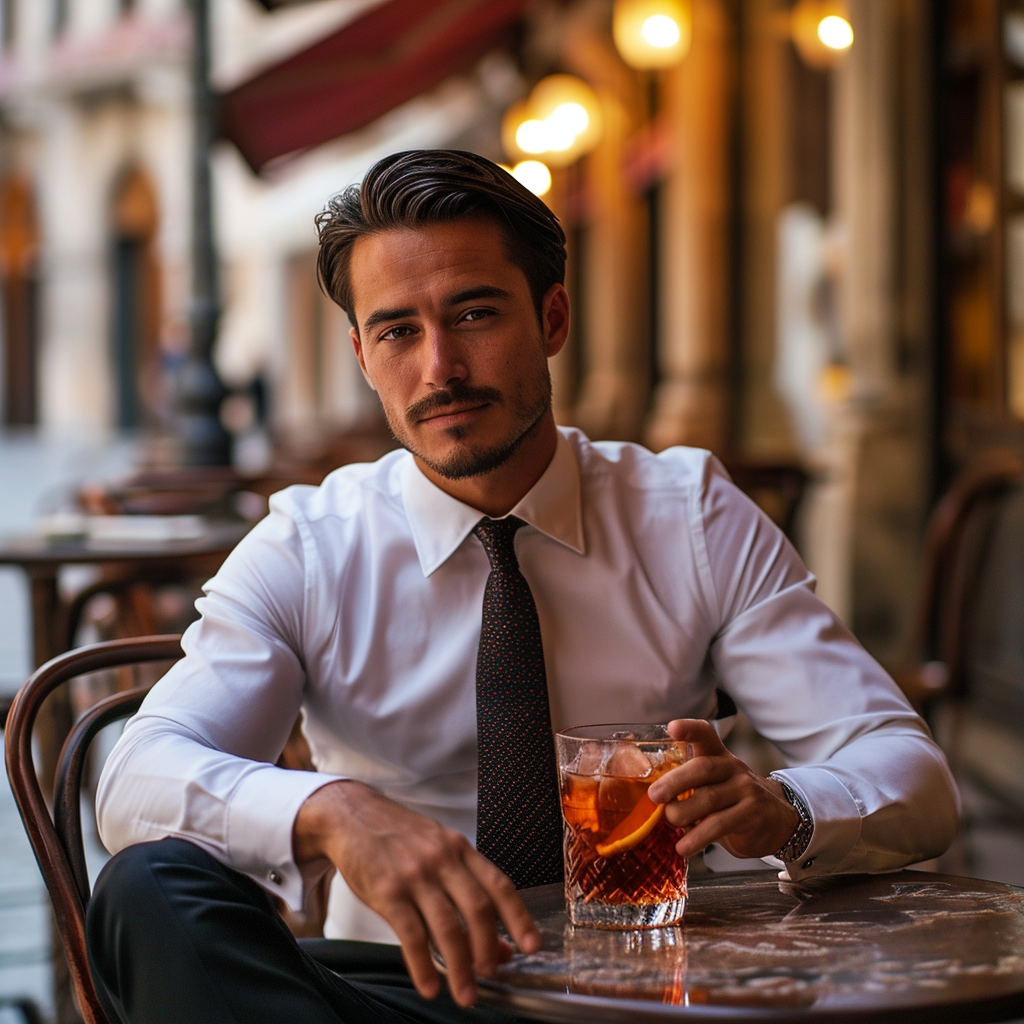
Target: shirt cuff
<point>261,817</point>
<point>837,821</point>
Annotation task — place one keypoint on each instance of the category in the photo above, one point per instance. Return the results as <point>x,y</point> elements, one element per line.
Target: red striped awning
<point>387,56</point>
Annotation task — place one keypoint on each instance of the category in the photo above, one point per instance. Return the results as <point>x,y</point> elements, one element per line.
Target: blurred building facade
<point>757,243</point>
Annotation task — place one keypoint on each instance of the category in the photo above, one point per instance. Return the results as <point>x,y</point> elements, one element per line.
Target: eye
<point>396,333</point>
<point>473,315</point>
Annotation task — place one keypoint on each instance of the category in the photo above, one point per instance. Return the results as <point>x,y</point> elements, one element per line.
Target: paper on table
<point>120,529</point>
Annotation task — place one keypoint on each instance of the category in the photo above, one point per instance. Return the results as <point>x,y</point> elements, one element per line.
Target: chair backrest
<point>963,559</point>
<point>57,841</point>
<point>777,487</point>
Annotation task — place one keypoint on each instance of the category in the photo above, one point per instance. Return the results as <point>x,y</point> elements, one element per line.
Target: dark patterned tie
<point>518,818</point>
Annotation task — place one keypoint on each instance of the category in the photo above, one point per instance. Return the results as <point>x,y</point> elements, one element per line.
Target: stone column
<point>865,528</point>
<point>613,390</point>
<point>762,421</point>
<point>691,400</point>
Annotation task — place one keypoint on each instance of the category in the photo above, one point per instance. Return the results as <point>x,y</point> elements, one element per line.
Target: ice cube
<point>627,762</point>
<point>588,761</point>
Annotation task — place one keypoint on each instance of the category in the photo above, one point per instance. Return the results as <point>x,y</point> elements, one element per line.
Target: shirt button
<point>275,877</point>
<point>807,864</point>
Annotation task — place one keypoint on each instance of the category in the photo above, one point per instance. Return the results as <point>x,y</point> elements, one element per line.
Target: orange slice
<point>633,829</point>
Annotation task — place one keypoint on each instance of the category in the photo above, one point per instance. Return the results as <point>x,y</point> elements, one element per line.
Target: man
<point>435,615</point>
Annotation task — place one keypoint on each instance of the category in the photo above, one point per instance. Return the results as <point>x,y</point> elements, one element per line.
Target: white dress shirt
<point>360,602</point>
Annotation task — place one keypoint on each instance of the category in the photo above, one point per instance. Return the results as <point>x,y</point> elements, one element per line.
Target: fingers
<point>698,732</point>
<point>412,934</point>
<point>425,880</point>
<point>698,771</point>
<point>728,803</point>
<point>510,908</point>
<point>461,918</point>
<point>457,907</point>
<point>709,830</point>
<point>450,937</point>
<point>704,801</point>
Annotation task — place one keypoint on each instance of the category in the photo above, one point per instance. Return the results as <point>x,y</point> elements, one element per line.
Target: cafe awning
<point>387,56</point>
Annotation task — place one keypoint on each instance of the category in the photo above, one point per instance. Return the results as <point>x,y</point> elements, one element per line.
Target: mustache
<point>457,394</point>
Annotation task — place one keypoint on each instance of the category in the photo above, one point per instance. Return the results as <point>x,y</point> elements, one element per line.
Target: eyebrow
<point>485,291</point>
<point>381,316</point>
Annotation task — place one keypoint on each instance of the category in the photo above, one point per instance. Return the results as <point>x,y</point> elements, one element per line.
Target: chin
<point>463,461</point>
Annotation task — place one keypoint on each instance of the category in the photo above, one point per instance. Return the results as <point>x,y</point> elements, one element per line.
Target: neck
<point>496,493</point>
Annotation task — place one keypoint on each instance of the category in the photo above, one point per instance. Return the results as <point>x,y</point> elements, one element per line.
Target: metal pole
<point>200,391</point>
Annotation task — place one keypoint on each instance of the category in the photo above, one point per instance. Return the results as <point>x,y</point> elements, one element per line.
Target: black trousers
<point>175,936</point>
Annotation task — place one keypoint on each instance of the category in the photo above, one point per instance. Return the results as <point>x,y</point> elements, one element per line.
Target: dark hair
<point>431,186</point>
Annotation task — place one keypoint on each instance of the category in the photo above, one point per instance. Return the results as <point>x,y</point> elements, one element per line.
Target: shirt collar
<point>440,523</point>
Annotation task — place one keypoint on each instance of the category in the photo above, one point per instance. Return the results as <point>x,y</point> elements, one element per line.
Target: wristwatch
<point>794,847</point>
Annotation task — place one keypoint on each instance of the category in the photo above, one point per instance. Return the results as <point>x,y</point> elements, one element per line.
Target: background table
<point>906,947</point>
<point>42,560</point>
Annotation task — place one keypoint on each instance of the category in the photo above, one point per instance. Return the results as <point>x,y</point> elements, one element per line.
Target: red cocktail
<point>621,866</point>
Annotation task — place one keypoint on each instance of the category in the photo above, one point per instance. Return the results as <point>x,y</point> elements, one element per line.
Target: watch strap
<point>795,847</point>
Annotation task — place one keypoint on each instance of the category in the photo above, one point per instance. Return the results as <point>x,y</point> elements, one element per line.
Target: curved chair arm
<point>67,788</point>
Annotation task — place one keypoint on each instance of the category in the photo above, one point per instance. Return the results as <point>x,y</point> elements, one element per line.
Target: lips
<point>451,401</point>
<point>452,411</point>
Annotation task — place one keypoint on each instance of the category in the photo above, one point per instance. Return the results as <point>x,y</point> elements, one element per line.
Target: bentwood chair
<point>968,555</point>
<point>57,841</point>
<point>966,665</point>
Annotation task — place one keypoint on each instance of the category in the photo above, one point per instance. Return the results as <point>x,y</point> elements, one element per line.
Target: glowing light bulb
<point>660,31</point>
<point>572,117</point>
<point>652,33</point>
<point>559,121</point>
<point>534,175</point>
<point>562,126</point>
<point>532,136</point>
<point>835,32</point>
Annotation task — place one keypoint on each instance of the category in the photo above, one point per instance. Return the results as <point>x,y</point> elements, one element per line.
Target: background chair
<point>778,488</point>
<point>965,670</point>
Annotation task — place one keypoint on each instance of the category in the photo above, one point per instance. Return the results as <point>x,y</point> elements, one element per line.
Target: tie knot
<point>498,539</point>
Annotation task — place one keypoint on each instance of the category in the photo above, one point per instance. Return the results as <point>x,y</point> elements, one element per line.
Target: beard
<point>464,460</point>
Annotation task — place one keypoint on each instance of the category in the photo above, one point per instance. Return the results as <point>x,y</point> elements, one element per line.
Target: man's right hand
<point>425,880</point>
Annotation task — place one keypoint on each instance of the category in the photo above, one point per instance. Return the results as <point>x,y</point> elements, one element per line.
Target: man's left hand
<point>730,804</point>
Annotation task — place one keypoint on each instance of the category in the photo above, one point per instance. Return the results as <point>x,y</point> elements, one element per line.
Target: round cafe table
<point>906,947</point>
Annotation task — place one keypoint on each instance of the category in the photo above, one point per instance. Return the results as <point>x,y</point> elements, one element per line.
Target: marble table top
<point>910,946</point>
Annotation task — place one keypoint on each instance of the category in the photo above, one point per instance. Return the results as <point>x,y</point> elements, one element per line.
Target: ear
<point>555,319</point>
<point>357,347</point>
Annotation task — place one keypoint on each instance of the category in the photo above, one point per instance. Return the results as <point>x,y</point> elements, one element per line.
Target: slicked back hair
<point>433,186</point>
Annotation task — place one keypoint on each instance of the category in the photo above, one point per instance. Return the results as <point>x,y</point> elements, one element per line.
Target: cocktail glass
<point>621,865</point>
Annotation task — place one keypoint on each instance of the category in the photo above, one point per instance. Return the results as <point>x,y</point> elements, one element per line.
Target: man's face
<point>449,339</point>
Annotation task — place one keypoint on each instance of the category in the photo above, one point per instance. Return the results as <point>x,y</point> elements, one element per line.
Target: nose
<point>444,362</point>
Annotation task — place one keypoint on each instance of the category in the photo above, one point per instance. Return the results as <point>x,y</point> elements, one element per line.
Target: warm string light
<point>835,32</point>
<point>556,133</point>
<point>652,33</point>
<point>821,31</point>
<point>559,121</point>
<point>534,175</point>
<point>660,31</point>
